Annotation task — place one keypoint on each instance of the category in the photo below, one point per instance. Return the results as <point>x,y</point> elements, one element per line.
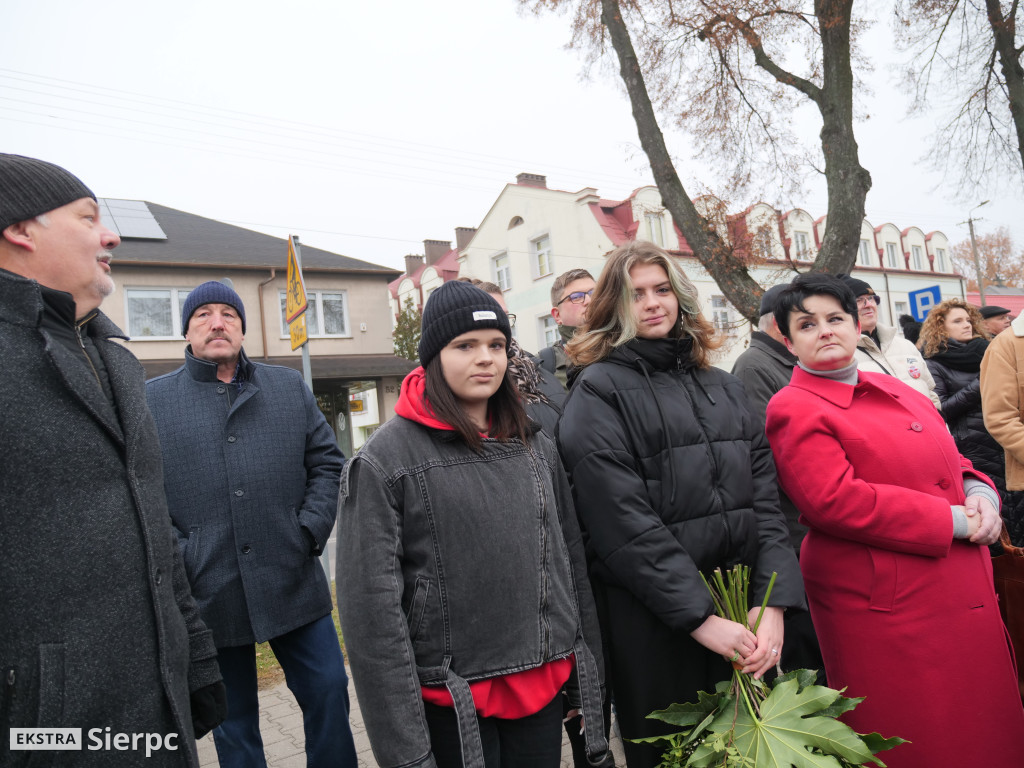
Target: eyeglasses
<point>867,301</point>
<point>576,297</point>
<point>511,320</point>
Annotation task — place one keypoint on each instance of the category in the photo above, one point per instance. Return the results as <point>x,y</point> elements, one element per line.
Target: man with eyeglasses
<point>882,350</point>
<point>570,297</point>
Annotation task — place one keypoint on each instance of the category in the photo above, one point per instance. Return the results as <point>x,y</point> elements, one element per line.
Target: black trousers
<point>652,666</point>
<point>534,741</point>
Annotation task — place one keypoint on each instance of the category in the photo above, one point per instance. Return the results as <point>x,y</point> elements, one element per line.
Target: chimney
<point>532,180</point>
<point>463,235</point>
<point>412,263</point>
<point>435,249</point>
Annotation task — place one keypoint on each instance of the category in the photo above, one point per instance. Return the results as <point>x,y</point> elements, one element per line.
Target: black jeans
<point>534,741</point>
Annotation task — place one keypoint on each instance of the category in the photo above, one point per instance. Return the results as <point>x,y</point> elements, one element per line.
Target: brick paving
<point>281,725</point>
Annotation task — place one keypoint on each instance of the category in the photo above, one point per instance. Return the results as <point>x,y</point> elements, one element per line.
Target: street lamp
<point>974,250</point>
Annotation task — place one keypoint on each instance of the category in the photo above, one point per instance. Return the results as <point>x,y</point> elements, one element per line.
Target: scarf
<point>962,356</point>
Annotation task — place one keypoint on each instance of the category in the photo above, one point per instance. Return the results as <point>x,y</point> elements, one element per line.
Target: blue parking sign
<point>923,300</point>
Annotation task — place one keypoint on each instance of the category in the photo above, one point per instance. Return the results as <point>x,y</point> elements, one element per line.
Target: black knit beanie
<point>211,292</point>
<point>454,309</point>
<point>859,287</point>
<point>30,187</point>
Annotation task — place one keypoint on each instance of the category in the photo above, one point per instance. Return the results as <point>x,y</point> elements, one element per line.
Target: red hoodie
<point>509,696</point>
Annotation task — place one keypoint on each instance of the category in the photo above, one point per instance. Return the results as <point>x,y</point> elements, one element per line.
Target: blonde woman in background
<point>672,477</point>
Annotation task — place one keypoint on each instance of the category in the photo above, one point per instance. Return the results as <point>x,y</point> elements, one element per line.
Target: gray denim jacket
<point>456,566</point>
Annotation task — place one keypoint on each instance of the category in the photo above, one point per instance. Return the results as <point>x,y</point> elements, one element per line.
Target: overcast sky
<point>368,127</point>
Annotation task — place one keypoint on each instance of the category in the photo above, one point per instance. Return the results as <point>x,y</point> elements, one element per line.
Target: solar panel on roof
<point>130,218</point>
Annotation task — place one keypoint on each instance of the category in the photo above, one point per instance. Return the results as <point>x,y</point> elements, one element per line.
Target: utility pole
<point>974,250</point>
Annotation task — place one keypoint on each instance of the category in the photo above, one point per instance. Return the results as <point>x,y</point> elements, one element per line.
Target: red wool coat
<point>906,616</point>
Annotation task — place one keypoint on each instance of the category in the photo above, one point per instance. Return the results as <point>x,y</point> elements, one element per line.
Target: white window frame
<point>176,296</point>
<point>891,257</point>
<point>940,260</point>
<point>549,330</point>
<point>316,304</point>
<point>917,257</point>
<point>802,243</point>
<point>901,307</point>
<point>723,317</point>
<point>502,271</point>
<point>656,228</point>
<point>865,253</point>
<point>540,256</point>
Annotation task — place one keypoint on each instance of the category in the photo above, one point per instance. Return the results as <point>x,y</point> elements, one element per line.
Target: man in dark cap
<point>882,350</point>
<point>997,319</point>
<point>98,629</point>
<point>252,471</point>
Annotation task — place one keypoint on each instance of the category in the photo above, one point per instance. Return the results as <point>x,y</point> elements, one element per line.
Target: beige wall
<point>366,298</point>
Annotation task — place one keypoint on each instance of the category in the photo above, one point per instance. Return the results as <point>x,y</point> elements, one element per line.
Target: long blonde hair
<point>934,338</point>
<point>610,322</point>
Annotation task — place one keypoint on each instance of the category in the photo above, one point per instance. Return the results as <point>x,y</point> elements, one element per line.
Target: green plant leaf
<point>691,714</point>
<point>790,733</point>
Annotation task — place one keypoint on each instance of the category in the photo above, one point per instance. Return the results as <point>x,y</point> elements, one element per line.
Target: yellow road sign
<point>297,328</point>
<point>296,292</point>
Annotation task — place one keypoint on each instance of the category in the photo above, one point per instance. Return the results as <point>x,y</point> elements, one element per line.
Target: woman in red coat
<point>895,565</point>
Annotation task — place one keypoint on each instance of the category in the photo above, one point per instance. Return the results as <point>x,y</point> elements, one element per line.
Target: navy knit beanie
<point>30,187</point>
<point>211,293</point>
<point>454,309</point>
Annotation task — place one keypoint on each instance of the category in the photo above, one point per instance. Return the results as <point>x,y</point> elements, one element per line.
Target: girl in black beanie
<point>461,578</point>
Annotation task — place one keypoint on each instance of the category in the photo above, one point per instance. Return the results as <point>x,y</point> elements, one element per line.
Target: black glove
<point>209,708</point>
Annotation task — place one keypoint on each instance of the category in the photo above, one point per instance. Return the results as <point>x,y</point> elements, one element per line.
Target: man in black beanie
<point>98,628</point>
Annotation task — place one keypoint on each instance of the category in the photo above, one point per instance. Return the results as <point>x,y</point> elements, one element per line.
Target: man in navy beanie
<point>252,472</point>
<point>98,629</point>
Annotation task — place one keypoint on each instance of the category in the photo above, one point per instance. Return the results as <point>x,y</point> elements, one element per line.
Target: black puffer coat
<point>672,475</point>
<point>960,394</point>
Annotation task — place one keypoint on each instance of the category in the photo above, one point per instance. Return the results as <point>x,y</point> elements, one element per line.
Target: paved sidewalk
<point>281,725</point>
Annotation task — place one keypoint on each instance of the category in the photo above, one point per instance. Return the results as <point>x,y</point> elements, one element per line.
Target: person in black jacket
<point>953,342</point>
<point>672,477</point>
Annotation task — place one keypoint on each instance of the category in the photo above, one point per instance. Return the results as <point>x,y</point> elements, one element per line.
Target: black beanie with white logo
<point>454,309</point>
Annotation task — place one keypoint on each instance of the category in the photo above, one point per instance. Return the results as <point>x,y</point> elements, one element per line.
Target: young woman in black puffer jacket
<point>953,341</point>
<point>672,477</point>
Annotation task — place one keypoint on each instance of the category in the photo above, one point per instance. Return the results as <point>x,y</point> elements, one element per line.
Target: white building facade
<point>532,234</point>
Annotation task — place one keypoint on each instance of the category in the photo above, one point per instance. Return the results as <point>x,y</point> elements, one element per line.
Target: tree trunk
<point>848,183</point>
<point>1004,32</point>
<point>729,272</point>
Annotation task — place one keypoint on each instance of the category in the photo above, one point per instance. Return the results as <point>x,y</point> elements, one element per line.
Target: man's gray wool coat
<point>243,480</point>
<point>97,626</point>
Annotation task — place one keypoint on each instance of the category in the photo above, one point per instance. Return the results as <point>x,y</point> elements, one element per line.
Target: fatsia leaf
<point>878,743</point>
<point>691,713</point>
<point>788,731</point>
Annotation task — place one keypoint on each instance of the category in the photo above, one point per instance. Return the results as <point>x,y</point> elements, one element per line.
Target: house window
<point>542,256</point>
<point>155,313</point>
<point>915,254</point>
<point>803,250</point>
<point>656,228</point>
<point>326,314</point>
<point>890,253</point>
<point>865,253</point>
<point>722,316</point>
<point>549,330</point>
<point>940,260</point>
<point>901,308</point>
<point>501,271</point>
